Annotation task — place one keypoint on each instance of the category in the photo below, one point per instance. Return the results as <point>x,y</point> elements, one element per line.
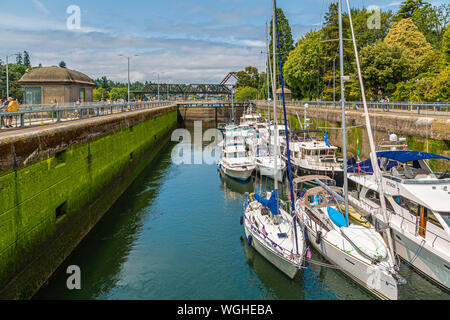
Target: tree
<point>246,93</point>
<point>301,69</point>
<point>430,20</point>
<point>100,94</point>
<point>407,8</point>
<point>446,46</point>
<point>383,65</point>
<point>285,39</point>
<point>62,64</point>
<point>26,59</point>
<point>19,58</point>
<point>249,77</point>
<point>405,34</point>
<point>118,93</point>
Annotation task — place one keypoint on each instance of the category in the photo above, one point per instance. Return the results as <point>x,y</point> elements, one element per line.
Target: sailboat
<point>354,245</point>
<point>270,229</point>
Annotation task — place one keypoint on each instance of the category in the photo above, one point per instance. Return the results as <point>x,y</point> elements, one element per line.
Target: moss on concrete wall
<point>46,208</point>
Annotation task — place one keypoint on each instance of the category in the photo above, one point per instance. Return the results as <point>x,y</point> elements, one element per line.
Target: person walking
<point>13,105</point>
<point>3,108</point>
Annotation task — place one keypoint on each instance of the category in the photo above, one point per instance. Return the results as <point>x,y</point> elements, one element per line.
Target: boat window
<point>446,218</point>
<point>373,195</point>
<point>408,204</point>
<point>432,218</point>
<point>389,206</point>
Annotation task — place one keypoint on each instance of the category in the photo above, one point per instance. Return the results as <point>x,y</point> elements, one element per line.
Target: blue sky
<point>185,41</point>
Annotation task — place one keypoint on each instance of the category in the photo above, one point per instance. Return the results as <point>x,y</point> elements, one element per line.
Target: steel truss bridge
<point>162,89</point>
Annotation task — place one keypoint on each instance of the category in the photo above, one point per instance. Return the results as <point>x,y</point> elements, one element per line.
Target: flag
<point>291,255</point>
<point>357,148</point>
<point>359,168</point>
<point>325,138</point>
<point>308,253</point>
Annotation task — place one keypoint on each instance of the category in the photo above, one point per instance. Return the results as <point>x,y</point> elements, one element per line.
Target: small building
<point>287,94</point>
<point>48,85</point>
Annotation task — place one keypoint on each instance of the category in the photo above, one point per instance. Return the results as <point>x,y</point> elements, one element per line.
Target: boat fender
<point>249,239</point>
<point>319,237</point>
<point>305,231</point>
<point>241,220</point>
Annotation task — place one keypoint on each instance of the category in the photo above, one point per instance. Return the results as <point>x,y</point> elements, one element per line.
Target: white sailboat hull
<point>381,284</point>
<point>283,264</point>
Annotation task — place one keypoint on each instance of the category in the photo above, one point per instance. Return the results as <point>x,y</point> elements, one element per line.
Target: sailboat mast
<point>268,73</point>
<point>274,86</point>
<point>344,135</point>
<point>373,155</point>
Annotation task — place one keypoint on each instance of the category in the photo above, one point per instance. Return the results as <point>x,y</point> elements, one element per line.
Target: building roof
<point>286,90</point>
<point>55,75</point>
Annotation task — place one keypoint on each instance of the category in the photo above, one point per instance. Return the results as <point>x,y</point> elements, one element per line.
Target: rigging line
<point>360,125</point>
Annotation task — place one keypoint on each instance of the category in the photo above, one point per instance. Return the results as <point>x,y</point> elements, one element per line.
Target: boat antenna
<point>373,155</point>
<point>286,133</point>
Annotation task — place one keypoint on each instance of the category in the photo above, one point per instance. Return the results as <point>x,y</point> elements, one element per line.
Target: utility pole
<point>128,58</point>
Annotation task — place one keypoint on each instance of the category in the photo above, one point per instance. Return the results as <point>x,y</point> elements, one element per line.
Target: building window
<point>32,95</point>
<point>82,95</point>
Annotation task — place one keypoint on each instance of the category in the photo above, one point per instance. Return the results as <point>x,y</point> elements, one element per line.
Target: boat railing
<point>427,232</point>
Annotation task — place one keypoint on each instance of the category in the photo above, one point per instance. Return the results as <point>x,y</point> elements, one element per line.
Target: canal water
<point>175,234</point>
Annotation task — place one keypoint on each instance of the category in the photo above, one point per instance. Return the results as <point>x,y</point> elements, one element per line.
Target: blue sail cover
<point>395,157</point>
<point>272,203</point>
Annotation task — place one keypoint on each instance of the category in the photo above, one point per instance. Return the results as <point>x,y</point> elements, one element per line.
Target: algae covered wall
<point>48,204</point>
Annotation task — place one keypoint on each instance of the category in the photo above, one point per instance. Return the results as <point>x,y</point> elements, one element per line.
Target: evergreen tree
<point>62,64</point>
<point>286,41</point>
<point>26,59</point>
<point>19,59</point>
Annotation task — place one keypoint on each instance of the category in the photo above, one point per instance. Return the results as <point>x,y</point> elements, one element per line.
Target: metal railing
<point>30,115</point>
<point>405,107</point>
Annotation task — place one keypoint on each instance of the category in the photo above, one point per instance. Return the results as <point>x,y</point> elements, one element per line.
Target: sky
<point>189,41</point>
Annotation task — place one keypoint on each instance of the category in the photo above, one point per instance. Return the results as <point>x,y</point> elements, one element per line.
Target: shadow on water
<point>101,254</point>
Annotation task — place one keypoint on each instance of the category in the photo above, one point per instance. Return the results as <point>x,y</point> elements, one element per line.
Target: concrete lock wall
<point>56,183</point>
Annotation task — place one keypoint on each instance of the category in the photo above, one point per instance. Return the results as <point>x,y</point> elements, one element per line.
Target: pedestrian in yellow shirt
<point>12,106</point>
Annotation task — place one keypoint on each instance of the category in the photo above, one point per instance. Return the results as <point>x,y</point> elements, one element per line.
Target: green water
<point>175,234</point>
